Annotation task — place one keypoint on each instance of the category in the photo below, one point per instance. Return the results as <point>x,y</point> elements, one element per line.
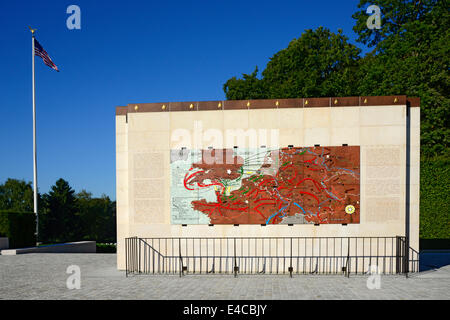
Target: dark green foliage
<point>249,87</point>
<point>435,198</point>
<point>394,15</point>
<point>414,61</point>
<point>16,195</point>
<point>60,221</point>
<point>98,217</point>
<point>63,215</point>
<point>76,217</point>
<point>318,64</point>
<point>106,248</point>
<point>19,227</point>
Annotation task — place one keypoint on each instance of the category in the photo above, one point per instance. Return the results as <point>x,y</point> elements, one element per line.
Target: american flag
<point>39,51</point>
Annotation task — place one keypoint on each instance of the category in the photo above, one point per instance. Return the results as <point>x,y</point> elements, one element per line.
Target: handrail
<point>148,245</point>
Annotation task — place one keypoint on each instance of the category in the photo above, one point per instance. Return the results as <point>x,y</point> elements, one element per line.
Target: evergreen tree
<point>60,219</point>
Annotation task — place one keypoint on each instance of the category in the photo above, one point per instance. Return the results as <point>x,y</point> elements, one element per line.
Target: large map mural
<point>262,186</point>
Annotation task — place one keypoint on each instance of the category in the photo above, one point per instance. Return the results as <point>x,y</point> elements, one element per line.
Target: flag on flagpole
<point>39,51</point>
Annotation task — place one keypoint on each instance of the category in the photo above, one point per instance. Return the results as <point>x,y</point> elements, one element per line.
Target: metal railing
<point>270,255</point>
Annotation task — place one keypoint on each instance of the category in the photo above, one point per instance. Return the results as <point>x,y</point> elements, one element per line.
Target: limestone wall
<point>144,140</point>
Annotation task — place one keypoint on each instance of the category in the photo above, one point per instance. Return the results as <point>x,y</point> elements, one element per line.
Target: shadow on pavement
<point>433,259</point>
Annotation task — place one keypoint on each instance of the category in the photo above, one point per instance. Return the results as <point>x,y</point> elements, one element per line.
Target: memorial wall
<point>315,167</point>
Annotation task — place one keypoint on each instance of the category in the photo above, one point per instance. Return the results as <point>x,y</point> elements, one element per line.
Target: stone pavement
<point>43,276</point>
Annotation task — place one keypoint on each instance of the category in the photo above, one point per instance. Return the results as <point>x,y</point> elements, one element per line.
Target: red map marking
<point>316,183</point>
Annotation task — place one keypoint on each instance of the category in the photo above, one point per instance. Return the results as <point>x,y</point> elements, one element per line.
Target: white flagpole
<point>34,144</point>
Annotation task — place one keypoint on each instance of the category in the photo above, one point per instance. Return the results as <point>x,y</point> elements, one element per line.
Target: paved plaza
<point>43,276</point>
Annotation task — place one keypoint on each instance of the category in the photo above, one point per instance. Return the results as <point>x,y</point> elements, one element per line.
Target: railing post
<point>181,259</point>
<point>347,268</point>
<point>236,268</point>
<point>136,257</point>
<point>397,255</point>
<point>132,255</point>
<point>290,265</point>
<point>126,257</point>
<point>406,257</point>
<point>135,253</point>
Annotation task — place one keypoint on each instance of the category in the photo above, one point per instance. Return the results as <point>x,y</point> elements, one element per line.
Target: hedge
<point>435,198</point>
<point>19,227</point>
<point>106,248</point>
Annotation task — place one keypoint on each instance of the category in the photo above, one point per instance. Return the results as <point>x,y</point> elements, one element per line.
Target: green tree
<point>395,14</point>
<point>319,63</point>
<point>16,195</point>
<point>97,217</point>
<point>249,87</point>
<point>60,221</point>
<point>411,58</point>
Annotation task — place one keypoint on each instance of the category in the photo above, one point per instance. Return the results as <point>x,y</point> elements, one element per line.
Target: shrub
<point>435,198</point>
<point>19,227</point>
<point>106,248</point>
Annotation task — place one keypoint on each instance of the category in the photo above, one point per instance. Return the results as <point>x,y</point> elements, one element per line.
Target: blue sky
<point>128,52</point>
